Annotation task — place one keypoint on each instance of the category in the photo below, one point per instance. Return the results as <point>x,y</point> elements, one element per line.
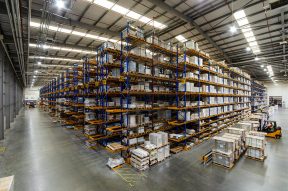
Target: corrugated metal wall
<point>11,94</point>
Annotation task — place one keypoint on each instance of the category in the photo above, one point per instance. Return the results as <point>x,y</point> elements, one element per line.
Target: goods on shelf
<point>258,96</point>
<point>132,92</point>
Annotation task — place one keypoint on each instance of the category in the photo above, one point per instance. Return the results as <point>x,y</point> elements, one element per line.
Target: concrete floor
<point>45,157</point>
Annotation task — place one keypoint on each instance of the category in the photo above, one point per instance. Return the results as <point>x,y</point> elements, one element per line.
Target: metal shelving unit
<point>135,87</point>
<point>258,96</point>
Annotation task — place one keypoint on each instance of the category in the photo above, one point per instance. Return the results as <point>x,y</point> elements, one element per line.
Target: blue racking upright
<point>258,96</point>
<point>139,86</point>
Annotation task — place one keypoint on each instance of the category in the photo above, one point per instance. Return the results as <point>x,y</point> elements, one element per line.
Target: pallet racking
<point>258,96</point>
<point>139,86</point>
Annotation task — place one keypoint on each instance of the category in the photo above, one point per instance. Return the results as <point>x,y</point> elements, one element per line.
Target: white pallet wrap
<point>255,141</point>
<point>223,145</point>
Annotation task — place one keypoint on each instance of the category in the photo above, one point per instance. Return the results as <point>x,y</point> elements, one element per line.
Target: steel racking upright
<point>103,127</point>
<point>148,85</point>
<point>221,113</point>
<point>115,94</point>
<point>258,96</point>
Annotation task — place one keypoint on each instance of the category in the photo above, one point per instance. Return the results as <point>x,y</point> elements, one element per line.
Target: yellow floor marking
<point>2,149</point>
<point>129,175</point>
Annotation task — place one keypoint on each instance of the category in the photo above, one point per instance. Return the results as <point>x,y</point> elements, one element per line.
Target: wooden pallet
<point>228,167</point>
<point>258,159</point>
<point>176,150</point>
<point>116,167</point>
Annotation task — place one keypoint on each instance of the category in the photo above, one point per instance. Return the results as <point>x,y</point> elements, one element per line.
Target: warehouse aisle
<point>46,157</point>
<point>184,171</point>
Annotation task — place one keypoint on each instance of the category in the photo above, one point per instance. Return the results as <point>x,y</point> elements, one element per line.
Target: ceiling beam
<point>189,20</point>
<point>62,20</point>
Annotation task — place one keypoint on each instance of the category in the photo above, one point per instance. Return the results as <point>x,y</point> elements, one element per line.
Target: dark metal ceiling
<point>206,22</point>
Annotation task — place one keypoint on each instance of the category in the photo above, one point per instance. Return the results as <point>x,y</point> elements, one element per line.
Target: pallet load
<point>160,140</point>
<point>115,162</point>
<point>140,159</point>
<point>223,151</point>
<point>241,133</point>
<point>256,146</point>
<point>240,144</point>
<point>242,125</point>
<point>152,150</point>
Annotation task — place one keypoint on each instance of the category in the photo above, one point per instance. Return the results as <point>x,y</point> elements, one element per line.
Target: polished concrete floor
<point>44,157</point>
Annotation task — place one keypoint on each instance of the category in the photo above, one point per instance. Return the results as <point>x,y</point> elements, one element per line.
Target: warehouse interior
<point>143,95</point>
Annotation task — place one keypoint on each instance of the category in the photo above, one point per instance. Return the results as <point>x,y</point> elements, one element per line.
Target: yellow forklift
<point>272,130</point>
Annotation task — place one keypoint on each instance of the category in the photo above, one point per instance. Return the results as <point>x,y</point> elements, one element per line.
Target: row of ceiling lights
<point>61,48</point>
<point>239,16</point>
<point>120,10</point>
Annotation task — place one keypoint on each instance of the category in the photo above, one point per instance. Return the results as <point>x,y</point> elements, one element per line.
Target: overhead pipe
<point>8,56</point>
<point>16,36</point>
<point>28,48</point>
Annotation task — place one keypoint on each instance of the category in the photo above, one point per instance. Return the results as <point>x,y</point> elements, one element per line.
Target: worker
<point>270,127</point>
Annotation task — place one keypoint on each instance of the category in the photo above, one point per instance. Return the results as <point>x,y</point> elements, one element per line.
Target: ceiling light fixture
<point>59,48</point>
<point>54,58</point>
<point>256,58</point>
<point>233,29</point>
<point>248,49</point>
<point>246,29</point>
<point>181,38</point>
<point>39,63</point>
<point>131,14</point>
<point>73,32</point>
<point>60,4</point>
<point>262,66</point>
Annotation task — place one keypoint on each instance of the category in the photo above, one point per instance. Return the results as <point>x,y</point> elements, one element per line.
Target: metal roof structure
<point>55,37</point>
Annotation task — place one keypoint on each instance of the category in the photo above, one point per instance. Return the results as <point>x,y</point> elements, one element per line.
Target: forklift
<point>272,130</point>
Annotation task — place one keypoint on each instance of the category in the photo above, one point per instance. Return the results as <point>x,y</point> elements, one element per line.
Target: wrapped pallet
<point>223,159</point>
<point>255,141</point>
<point>152,150</point>
<point>238,142</point>
<point>140,159</point>
<point>161,154</point>
<point>155,139</point>
<point>247,126</point>
<point>257,133</point>
<point>223,145</point>
<point>256,153</point>
<point>237,131</point>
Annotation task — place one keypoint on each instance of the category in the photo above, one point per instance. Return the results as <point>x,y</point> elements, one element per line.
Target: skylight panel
<point>239,14</point>
<point>247,31</point>
<point>125,11</point>
<point>251,44</point>
<point>133,15</point>
<point>120,9</point>
<point>78,33</point>
<point>242,22</point>
<point>104,3</point>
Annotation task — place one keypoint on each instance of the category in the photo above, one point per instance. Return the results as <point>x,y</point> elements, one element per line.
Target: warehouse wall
<point>278,90</point>
<point>32,93</point>
<point>11,94</point>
